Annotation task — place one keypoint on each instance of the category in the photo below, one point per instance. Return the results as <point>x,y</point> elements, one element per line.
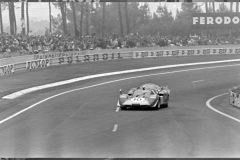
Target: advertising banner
<point>215,20</point>
<point>58,54</point>
<point>237,50</point>
<point>38,64</point>
<point>89,58</point>
<point>7,69</point>
<point>152,54</point>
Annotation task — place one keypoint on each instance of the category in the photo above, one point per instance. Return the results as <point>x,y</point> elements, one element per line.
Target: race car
<point>145,96</point>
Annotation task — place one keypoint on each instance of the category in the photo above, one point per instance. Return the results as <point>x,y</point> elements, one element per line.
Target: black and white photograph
<point>100,79</point>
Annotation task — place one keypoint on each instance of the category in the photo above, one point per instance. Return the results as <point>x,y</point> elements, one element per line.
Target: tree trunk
<point>213,4</point>
<point>11,18</point>
<point>27,18</point>
<point>120,18</point>
<point>103,18</point>
<point>237,7</point>
<point>231,7</point>
<point>81,21</point>
<point>127,20</point>
<point>75,19</point>
<point>1,21</point>
<point>22,19</point>
<point>63,12</point>
<point>14,18</point>
<point>50,17</point>
<point>237,10</point>
<point>87,18</point>
<point>65,17</point>
<point>206,7</point>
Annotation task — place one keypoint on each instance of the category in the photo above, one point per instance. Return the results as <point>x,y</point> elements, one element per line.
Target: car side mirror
<point>120,91</point>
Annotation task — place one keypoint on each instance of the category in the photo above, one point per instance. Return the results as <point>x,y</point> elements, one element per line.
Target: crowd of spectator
<point>54,42</point>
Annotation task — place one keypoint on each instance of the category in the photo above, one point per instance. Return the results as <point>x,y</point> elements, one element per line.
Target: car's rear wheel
<point>165,105</point>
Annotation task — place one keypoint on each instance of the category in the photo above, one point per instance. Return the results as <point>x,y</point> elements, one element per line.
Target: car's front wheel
<point>123,108</point>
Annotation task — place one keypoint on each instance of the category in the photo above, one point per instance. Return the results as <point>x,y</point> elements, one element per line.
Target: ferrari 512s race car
<point>146,96</point>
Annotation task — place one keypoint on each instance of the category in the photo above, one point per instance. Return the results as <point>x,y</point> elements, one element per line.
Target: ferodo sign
<point>38,64</point>
<point>215,20</point>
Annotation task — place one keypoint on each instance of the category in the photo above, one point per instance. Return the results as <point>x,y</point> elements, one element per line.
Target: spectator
<point>49,43</point>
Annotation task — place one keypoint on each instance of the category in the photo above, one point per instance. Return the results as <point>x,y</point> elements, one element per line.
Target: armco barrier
<point>51,59</point>
<point>59,54</point>
<point>7,69</point>
<point>234,96</point>
<point>70,59</point>
<point>41,63</point>
<point>185,52</point>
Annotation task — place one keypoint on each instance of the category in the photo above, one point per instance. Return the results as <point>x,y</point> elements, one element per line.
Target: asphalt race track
<point>86,123</point>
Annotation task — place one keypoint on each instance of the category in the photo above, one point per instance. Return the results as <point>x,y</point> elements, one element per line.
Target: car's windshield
<point>141,92</point>
<point>149,86</point>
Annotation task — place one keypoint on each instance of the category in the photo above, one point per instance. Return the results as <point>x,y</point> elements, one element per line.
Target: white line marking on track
<point>78,89</point>
<point>115,127</point>
<point>198,81</point>
<point>36,88</point>
<point>224,114</point>
<point>118,108</point>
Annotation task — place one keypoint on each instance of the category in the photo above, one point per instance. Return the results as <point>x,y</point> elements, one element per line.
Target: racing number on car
<point>137,99</point>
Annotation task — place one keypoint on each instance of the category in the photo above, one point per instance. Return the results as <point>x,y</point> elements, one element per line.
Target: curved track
<point>87,122</point>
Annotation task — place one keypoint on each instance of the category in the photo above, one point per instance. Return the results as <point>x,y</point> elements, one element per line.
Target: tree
<point>14,17</point>
<point>182,23</point>
<point>103,17</point>
<point>120,18</point>
<point>237,10</point>
<point>57,24</point>
<point>144,13</point>
<point>1,20</point>
<point>126,15</point>
<point>74,19</point>
<point>206,7</point>
<point>165,21</point>
<point>50,17</point>
<point>63,13</point>
<point>222,8</point>
<point>237,7</point>
<point>231,10</point>
<point>11,18</point>
<point>81,21</point>
<point>27,18</point>
<point>22,19</point>
<point>87,18</point>
<point>213,4</point>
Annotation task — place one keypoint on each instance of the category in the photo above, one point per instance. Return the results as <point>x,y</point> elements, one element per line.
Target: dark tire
<point>164,105</point>
<point>123,108</point>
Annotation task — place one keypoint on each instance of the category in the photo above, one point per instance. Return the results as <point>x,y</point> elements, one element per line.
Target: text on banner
<point>38,64</point>
<point>4,70</point>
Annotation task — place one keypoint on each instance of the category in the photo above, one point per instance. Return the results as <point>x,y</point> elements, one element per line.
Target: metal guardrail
<point>52,59</point>
<point>42,63</point>
<point>235,96</point>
